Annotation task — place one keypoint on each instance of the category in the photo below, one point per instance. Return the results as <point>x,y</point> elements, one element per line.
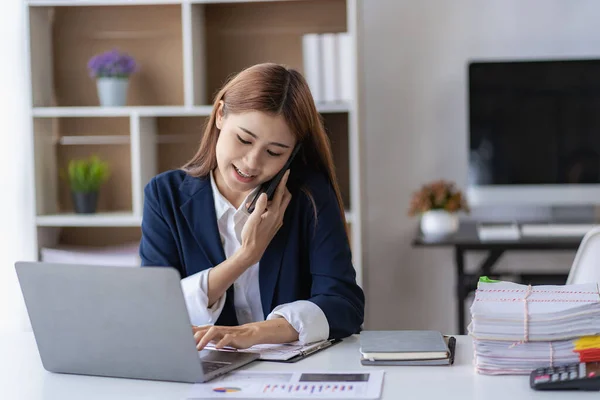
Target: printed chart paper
<point>293,385</point>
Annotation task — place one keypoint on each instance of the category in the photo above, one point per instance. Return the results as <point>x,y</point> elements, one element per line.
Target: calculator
<point>575,376</point>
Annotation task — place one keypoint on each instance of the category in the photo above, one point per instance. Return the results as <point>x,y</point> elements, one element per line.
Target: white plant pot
<point>112,92</point>
<point>438,223</point>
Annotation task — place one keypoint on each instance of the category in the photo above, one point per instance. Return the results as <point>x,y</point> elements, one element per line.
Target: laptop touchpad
<point>221,356</point>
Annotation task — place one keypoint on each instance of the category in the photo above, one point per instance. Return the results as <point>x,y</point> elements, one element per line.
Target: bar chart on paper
<point>296,385</point>
<point>321,390</point>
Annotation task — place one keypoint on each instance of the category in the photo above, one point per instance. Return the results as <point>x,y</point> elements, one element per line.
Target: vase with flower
<point>112,70</point>
<point>438,203</point>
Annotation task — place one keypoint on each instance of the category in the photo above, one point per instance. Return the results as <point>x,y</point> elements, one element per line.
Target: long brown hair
<point>277,90</point>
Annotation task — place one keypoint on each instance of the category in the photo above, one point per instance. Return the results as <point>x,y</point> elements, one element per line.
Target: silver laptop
<point>117,322</point>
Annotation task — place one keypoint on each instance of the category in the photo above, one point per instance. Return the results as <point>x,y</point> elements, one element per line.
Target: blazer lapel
<point>199,212</point>
<point>269,268</point>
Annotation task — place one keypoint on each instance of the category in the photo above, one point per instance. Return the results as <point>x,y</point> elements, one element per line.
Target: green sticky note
<point>485,279</point>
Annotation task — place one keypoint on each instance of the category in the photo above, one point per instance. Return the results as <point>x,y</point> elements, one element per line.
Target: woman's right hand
<point>264,222</point>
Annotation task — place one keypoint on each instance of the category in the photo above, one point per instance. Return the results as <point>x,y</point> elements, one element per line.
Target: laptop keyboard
<point>211,366</point>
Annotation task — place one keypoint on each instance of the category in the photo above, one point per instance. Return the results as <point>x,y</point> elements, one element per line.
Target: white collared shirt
<point>306,317</point>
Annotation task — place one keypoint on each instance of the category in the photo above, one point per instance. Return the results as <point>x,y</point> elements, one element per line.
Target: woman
<point>283,272</point>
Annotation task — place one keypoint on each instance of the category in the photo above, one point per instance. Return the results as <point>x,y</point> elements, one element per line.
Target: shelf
<point>239,34</point>
<point>153,111</point>
<point>200,111</point>
<point>337,107</point>
<point>93,140</point>
<point>99,219</point>
<point>50,3</point>
<point>83,137</point>
<point>63,40</point>
<point>177,140</point>
<point>233,1</point>
<point>108,219</point>
<point>144,111</point>
<point>59,112</point>
<point>186,138</point>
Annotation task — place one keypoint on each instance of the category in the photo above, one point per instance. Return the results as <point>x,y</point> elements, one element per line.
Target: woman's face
<point>252,147</point>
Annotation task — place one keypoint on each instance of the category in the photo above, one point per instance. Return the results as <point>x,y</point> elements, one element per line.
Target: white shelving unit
<point>186,49</point>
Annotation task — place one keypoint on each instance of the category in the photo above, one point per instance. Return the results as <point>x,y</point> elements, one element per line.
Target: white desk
<point>22,377</point>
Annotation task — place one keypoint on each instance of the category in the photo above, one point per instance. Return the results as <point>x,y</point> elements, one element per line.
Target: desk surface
<point>467,237</point>
<point>23,377</point>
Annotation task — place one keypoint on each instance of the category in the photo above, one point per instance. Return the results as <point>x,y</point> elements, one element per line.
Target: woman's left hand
<point>240,337</point>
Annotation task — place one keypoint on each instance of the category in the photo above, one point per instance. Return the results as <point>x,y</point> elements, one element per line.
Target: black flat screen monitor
<point>534,122</point>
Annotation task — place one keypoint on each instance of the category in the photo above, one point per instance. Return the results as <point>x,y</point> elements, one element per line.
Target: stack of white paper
<point>328,60</point>
<point>498,357</point>
<point>518,328</point>
<point>121,256</point>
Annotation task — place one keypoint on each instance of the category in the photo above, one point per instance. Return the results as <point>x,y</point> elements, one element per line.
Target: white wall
<point>414,92</point>
<point>16,197</point>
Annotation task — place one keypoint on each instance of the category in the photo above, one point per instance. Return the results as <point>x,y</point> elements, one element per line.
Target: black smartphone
<point>269,186</point>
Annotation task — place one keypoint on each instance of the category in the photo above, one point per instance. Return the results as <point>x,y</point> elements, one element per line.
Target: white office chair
<point>586,266</point>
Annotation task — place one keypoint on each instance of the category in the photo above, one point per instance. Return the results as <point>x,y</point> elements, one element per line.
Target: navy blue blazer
<point>306,260</point>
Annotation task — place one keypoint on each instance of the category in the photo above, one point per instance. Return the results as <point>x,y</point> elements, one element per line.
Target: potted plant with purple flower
<point>112,70</point>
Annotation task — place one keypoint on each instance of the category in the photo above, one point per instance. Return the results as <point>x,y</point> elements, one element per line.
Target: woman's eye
<point>242,140</point>
<point>272,153</point>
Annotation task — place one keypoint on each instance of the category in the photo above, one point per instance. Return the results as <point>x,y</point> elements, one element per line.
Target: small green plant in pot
<point>85,178</point>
